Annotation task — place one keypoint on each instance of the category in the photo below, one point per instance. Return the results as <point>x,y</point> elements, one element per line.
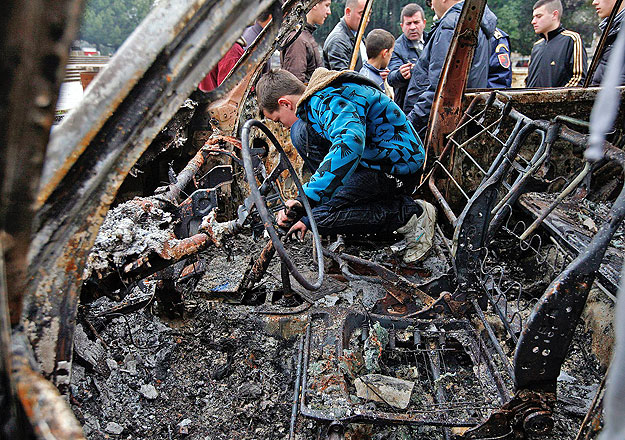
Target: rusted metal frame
<point>351,320</point>
<point>466,119</point>
<point>472,227</point>
<point>106,134</point>
<point>451,177</point>
<point>537,358</point>
<point>592,420</point>
<point>447,105</point>
<point>601,45</point>
<point>35,37</point>
<point>225,101</point>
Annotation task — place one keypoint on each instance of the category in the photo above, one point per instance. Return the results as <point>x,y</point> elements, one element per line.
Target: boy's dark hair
<point>552,5</point>
<point>377,41</point>
<point>274,85</point>
<point>409,10</point>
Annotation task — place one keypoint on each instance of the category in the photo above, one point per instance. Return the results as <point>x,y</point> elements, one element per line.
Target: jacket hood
<point>488,25</point>
<point>322,78</point>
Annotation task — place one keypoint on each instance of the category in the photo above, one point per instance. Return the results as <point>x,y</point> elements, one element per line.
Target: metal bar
<point>453,180</point>
<point>442,202</point>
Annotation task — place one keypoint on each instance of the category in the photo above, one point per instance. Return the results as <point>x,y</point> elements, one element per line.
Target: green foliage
<point>514,17</point>
<point>110,22</point>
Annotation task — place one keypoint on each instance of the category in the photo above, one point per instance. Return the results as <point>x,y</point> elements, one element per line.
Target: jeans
<point>370,202</point>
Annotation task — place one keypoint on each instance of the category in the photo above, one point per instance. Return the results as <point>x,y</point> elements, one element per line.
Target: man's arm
<point>340,122</point>
<point>294,59</point>
<point>395,78</point>
<point>228,62</point>
<point>420,111</point>
<point>337,54</point>
<point>577,61</point>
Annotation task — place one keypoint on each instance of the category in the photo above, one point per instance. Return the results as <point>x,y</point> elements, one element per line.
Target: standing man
<point>364,154</point>
<point>559,58</point>
<point>426,73</point>
<point>303,56</point>
<point>408,47</point>
<point>604,9</point>
<point>339,46</point>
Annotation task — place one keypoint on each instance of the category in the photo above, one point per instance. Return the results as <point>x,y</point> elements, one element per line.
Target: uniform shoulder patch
<point>504,59</point>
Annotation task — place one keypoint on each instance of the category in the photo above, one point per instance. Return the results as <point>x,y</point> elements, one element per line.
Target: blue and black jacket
<point>363,127</point>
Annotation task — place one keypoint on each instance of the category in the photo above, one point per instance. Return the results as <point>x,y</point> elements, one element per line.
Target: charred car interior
<point>148,293</point>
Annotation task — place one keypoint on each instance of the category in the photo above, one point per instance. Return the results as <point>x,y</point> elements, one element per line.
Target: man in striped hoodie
<point>558,59</point>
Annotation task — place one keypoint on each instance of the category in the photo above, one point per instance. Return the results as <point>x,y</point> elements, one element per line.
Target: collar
<point>616,24</point>
<point>310,27</point>
<point>372,67</point>
<point>553,33</point>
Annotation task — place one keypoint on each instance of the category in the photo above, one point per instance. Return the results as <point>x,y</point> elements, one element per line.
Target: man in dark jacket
<point>500,67</point>
<point>303,56</point>
<point>604,9</point>
<point>426,73</point>
<point>340,43</point>
<point>559,58</point>
<point>408,47</point>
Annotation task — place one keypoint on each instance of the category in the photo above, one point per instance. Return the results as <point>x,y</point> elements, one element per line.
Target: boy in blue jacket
<point>364,154</point>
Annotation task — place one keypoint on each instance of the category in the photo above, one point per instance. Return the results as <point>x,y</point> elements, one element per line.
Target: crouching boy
<point>364,155</point>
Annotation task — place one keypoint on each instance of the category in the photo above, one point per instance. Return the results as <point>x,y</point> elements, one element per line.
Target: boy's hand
<point>384,73</point>
<point>298,230</point>
<point>406,70</point>
<point>286,216</point>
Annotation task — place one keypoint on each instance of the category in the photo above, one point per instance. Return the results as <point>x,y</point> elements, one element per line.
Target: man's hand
<point>298,230</point>
<point>406,70</point>
<point>286,216</point>
<point>384,73</point>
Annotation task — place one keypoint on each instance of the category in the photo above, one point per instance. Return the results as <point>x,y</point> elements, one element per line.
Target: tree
<point>110,22</point>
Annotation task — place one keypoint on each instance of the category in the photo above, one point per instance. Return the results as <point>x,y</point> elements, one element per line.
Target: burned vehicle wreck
<point>155,296</point>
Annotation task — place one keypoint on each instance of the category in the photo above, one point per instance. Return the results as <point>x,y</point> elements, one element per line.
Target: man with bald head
<point>604,9</point>
<point>339,46</point>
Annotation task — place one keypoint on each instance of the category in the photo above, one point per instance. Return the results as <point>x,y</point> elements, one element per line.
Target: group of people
<point>358,133</point>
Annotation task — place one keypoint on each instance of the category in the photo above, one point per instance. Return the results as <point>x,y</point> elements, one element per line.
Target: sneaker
<point>419,233</point>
